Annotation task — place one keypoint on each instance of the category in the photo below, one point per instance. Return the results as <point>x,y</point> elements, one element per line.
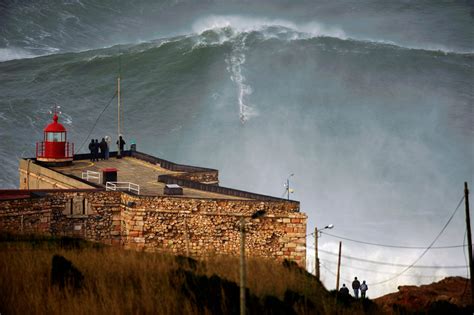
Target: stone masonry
<point>187,226</point>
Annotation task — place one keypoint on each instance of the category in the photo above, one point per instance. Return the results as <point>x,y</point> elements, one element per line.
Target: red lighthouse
<point>55,148</point>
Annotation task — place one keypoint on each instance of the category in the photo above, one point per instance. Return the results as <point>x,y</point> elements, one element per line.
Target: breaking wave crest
<point>209,30</point>
<point>268,27</point>
<point>14,53</point>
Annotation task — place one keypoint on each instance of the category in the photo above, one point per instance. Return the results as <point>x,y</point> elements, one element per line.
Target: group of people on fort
<point>356,286</point>
<point>101,150</point>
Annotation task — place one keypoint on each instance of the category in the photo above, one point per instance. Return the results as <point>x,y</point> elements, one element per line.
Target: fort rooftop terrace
<point>150,173</point>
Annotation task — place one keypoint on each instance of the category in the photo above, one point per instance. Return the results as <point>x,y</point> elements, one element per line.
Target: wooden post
<point>338,267</point>
<point>316,256</point>
<point>469,239</point>
<point>242,266</point>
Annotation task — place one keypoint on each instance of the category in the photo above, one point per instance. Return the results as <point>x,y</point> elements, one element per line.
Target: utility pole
<point>242,266</point>
<point>338,267</point>
<point>316,257</point>
<point>469,239</point>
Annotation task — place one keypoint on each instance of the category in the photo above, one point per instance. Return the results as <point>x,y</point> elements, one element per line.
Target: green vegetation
<point>117,281</point>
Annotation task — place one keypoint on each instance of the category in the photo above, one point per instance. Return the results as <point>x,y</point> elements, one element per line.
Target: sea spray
<point>244,24</point>
<point>234,61</point>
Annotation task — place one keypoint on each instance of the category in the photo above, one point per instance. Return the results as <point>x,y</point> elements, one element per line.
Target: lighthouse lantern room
<point>55,148</point>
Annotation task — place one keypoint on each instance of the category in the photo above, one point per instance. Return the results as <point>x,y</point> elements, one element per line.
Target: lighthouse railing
<point>69,150</point>
<point>88,175</point>
<point>39,149</point>
<point>123,186</point>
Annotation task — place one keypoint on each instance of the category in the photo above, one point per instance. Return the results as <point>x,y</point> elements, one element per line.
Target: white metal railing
<point>88,175</point>
<point>123,186</point>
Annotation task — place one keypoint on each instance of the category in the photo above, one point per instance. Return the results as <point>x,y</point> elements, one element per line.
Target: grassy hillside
<point>117,281</point>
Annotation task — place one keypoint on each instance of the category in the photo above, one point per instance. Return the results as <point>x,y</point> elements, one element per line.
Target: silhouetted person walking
<point>356,287</point>
<point>363,289</point>
<point>344,291</point>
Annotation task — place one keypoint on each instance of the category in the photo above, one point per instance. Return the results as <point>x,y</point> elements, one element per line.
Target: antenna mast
<point>119,153</point>
<point>118,114</point>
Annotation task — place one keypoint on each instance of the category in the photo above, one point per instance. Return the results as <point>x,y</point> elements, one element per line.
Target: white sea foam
<point>66,119</point>
<point>248,24</point>
<point>294,31</point>
<point>234,65</point>
<point>97,57</point>
<point>14,53</point>
<point>73,2</point>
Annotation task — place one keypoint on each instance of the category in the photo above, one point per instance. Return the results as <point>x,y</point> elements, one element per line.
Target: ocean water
<point>368,103</point>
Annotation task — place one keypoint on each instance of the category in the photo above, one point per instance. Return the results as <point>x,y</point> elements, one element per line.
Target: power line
<point>466,260</point>
<point>426,250</point>
<point>379,272</point>
<point>391,264</point>
<point>95,123</point>
<point>391,246</point>
<point>298,238</point>
<point>350,281</point>
<point>331,272</point>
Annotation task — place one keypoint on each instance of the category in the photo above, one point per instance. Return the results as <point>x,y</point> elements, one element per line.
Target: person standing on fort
<point>102,147</point>
<point>363,289</point>
<point>121,143</point>
<point>96,150</point>
<point>356,287</point>
<point>107,149</point>
<point>91,149</point>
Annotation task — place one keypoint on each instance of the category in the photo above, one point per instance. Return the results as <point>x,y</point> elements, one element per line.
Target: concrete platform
<point>139,172</point>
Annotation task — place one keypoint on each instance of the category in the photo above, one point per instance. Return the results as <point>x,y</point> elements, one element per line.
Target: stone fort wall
<point>187,226</point>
